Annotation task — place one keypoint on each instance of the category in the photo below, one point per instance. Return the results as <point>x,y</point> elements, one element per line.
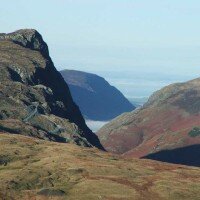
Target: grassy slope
<point>38,169</point>
<point>163,123</point>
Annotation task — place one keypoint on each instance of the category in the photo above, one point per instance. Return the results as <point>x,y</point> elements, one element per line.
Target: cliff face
<point>97,99</point>
<point>169,120</point>
<point>34,98</point>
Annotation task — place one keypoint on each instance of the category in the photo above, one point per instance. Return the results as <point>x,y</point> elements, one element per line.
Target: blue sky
<point>137,45</point>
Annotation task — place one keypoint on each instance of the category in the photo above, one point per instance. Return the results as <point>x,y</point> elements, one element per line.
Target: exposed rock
<point>28,76</point>
<point>28,38</point>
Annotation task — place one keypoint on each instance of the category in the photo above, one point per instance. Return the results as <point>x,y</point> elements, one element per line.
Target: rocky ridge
<point>34,98</point>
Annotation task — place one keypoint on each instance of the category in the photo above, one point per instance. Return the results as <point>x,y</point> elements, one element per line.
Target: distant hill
<point>96,98</point>
<point>170,120</point>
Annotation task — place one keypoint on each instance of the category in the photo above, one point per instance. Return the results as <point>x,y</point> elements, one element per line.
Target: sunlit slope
<point>169,120</point>
<point>36,169</point>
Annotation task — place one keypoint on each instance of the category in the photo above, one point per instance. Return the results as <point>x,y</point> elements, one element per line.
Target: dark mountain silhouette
<point>34,98</point>
<point>96,98</point>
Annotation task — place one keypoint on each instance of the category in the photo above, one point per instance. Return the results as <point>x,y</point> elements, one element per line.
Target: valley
<point>48,151</point>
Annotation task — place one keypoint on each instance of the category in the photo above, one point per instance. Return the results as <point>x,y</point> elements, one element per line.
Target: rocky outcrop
<point>96,98</point>
<point>166,122</point>
<point>28,38</point>
<point>34,98</point>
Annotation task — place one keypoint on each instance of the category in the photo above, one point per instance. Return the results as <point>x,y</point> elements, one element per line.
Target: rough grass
<point>38,170</point>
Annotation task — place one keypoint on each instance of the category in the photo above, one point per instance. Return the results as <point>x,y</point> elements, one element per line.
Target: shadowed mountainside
<point>186,155</point>
<point>36,169</point>
<point>169,120</point>
<point>96,98</point>
<point>34,98</point>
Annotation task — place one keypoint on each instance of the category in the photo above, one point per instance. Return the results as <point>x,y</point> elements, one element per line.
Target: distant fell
<point>163,128</point>
<point>96,98</point>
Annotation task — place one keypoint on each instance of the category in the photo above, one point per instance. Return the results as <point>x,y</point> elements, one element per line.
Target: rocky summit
<point>166,128</point>
<point>34,98</point>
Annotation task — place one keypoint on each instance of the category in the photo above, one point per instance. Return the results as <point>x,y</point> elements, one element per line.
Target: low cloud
<point>95,125</point>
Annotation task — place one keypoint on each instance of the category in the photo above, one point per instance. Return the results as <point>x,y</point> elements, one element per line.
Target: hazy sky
<point>138,45</point>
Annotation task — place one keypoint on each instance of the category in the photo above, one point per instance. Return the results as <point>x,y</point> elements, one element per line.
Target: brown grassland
<point>35,169</point>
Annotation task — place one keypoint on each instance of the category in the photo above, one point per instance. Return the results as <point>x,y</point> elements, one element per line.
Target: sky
<point>139,46</point>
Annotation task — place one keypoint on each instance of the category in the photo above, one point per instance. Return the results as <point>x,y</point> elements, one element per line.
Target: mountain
<point>36,108</point>
<point>34,98</point>
<point>36,169</point>
<point>96,98</point>
<point>169,120</point>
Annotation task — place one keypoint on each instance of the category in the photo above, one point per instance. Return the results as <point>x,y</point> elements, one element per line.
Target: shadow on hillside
<point>189,155</point>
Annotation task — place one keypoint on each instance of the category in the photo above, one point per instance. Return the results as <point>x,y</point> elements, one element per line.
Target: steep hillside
<point>96,98</point>
<point>36,169</point>
<point>169,120</point>
<point>34,98</point>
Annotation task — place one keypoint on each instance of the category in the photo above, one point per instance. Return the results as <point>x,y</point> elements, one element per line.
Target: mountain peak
<point>28,38</point>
